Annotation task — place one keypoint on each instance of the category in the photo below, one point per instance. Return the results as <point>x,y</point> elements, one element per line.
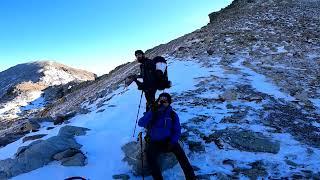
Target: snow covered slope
<point>204,108</point>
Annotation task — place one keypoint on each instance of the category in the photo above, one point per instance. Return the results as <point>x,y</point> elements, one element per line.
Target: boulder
<point>246,140</point>
<point>42,119</point>
<point>66,154</point>
<point>257,170</point>
<point>62,118</point>
<point>303,96</point>
<point>196,146</point>
<point>41,152</point>
<point>34,137</point>
<point>77,160</point>
<point>31,125</point>
<point>229,95</point>
<point>132,153</point>
<point>12,137</point>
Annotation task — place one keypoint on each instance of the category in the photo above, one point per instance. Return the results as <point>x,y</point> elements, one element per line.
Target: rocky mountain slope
<point>29,86</point>
<point>248,102</point>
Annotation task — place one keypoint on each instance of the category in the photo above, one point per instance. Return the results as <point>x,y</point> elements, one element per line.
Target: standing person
<point>147,73</point>
<point>163,131</point>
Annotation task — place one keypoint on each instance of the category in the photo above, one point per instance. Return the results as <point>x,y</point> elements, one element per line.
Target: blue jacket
<point>163,126</point>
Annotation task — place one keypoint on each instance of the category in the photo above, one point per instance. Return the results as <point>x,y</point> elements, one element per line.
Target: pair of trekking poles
<point>139,136</point>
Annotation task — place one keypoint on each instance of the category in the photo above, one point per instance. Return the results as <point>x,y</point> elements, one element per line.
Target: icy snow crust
<point>113,128</point>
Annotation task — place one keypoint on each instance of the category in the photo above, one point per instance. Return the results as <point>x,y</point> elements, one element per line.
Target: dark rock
<point>291,163</point>
<point>132,153</point>
<point>61,118</point>
<point>184,136</point>
<point>229,95</point>
<point>84,111</point>
<point>121,176</point>
<point>66,154</point>
<point>196,146</point>
<point>42,119</point>
<point>71,131</point>
<point>34,137</point>
<point>257,170</point>
<point>31,125</point>
<point>49,128</point>
<point>229,162</point>
<point>39,153</point>
<point>181,48</point>
<point>246,141</point>
<point>77,160</point>
<point>12,137</point>
<point>210,52</point>
<point>101,110</point>
<point>298,176</point>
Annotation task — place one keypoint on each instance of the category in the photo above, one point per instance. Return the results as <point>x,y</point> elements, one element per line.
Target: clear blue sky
<point>95,35</point>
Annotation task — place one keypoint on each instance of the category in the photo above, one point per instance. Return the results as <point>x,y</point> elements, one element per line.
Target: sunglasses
<point>163,100</point>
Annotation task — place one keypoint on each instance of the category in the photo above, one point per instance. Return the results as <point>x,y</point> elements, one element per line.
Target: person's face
<point>164,101</point>
<point>139,57</point>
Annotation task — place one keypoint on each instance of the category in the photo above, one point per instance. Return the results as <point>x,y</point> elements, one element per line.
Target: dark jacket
<point>147,73</point>
<point>161,126</point>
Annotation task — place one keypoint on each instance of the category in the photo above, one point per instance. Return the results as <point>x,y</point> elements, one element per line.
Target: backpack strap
<point>173,115</point>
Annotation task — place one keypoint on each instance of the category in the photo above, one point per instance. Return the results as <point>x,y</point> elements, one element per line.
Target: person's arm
<point>176,130</point>
<point>145,120</point>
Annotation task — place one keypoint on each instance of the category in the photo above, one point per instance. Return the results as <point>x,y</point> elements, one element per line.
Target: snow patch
<point>261,83</point>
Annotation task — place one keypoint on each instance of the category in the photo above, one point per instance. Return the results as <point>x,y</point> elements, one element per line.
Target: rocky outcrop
<point>132,153</point>
<point>246,141</point>
<point>34,137</point>
<point>11,137</point>
<point>42,152</point>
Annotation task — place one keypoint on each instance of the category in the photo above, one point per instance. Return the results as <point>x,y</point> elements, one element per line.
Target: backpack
<point>161,73</point>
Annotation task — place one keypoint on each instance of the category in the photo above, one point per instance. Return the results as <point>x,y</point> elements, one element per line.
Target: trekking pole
<point>135,126</point>
<point>141,146</point>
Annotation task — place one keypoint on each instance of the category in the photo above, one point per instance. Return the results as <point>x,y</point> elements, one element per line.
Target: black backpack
<point>161,73</point>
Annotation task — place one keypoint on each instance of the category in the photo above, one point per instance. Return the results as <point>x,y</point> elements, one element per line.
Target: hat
<point>138,52</point>
<point>167,96</point>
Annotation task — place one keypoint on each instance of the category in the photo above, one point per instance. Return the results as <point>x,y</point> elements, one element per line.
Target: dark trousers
<point>150,95</point>
<point>153,151</point>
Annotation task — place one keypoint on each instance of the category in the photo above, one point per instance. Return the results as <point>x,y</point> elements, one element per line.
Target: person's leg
<point>184,162</point>
<point>152,158</point>
<point>150,98</point>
